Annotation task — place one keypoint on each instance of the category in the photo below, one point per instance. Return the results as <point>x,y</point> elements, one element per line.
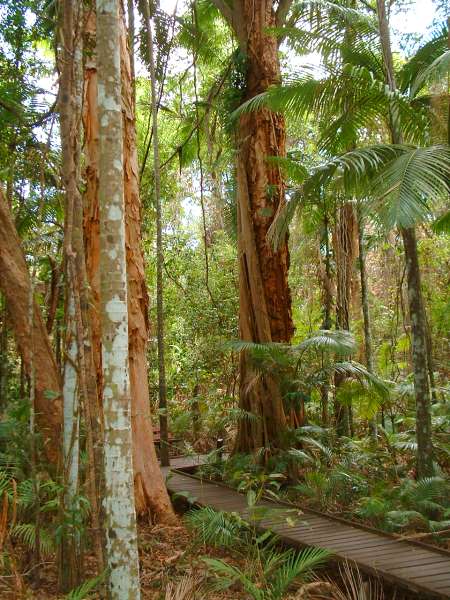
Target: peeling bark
<point>150,490</point>
<point>265,298</point>
<point>79,375</point>
<point>15,284</point>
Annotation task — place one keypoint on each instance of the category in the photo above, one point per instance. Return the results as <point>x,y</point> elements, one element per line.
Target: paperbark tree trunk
<point>15,284</point>
<point>79,374</point>
<point>69,110</point>
<point>415,296</point>
<point>119,511</point>
<point>265,299</point>
<point>150,490</point>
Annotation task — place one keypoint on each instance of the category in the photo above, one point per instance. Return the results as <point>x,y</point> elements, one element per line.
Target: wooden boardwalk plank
<point>420,568</point>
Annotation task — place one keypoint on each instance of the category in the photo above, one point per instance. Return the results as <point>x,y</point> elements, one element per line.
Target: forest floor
<point>168,555</point>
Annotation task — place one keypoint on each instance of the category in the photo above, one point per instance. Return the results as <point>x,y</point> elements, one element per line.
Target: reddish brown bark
<point>150,490</point>
<point>345,242</point>
<point>91,225</point>
<point>55,294</point>
<point>265,299</point>
<point>33,343</point>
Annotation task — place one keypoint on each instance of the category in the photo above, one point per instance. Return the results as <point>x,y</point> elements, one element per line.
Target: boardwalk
<point>422,569</point>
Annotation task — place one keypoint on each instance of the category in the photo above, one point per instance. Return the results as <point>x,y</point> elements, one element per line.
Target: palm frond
<point>422,59</point>
<point>229,575</point>
<point>339,342</point>
<point>26,533</point>
<point>185,589</point>
<point>215,528</point>
<point>407,186</point>
<point>433,73</point>
<point>442,224</point>
<point>360,373</point>
<point>263,355</point>
<point>292,169</point>
<point>300,456</point>
<point>298,566</point>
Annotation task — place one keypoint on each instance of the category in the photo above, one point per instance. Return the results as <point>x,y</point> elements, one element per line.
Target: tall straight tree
<point>344,238</point>
<point>368,350</point>
<point>162,385</point>
<point>264,296</point>
<point>414,286</point>
<point>119,511</point>
<point>70,99</point>
<point>150,491</point>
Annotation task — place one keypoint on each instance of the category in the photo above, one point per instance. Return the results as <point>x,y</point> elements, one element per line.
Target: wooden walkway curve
<point>420,568</point>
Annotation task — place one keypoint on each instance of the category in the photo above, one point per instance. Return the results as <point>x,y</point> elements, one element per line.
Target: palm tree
<point>415,296</point>
<point>120,519</point>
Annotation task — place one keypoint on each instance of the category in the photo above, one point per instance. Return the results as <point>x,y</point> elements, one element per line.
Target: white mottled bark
<point>119,510</point>
<point>70,408</point>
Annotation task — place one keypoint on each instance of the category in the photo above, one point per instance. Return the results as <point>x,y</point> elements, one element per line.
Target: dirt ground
<point>168,557</point>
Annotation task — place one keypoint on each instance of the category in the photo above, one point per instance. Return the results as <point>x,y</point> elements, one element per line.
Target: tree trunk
<point>3,354</point>
<point>419,354</point>
<point>326,283</point>
<point>415,296</point>
<point>366,314</point>
<point>79,373</point>
<point>265,299</point>
<point>119,511</point>
<point>150,490</point>
<point>345,240</point>
<point>15,284</point>
<point>69,109</point>
<point>54,296</point>
<point>162,385</point>
<point>69,547</point>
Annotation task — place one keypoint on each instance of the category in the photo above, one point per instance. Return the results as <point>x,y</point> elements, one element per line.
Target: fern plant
<point>270,576</point>
<point>267,572</point>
